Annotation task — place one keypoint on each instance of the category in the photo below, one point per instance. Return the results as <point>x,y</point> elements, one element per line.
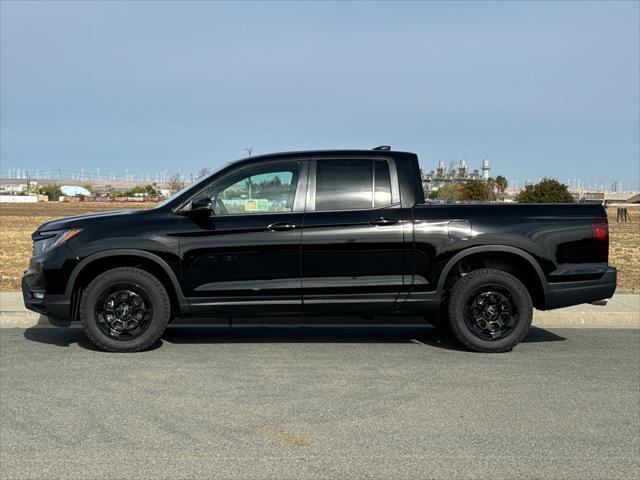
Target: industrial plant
<point>441,177</point>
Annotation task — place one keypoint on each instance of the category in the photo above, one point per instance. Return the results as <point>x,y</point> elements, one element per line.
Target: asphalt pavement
<point>297,403</point>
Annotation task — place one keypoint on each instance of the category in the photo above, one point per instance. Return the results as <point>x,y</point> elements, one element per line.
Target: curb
<point>23,320</point>
<point>552,319</point>
<point>587,319</point>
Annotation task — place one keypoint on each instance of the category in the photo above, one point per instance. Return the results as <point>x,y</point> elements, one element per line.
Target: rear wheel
<point>124,310</point>
<point>489,310</point>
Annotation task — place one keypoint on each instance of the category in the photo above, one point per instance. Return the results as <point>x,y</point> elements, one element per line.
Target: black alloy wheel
<point>489,310</point>
<point>123,311</point>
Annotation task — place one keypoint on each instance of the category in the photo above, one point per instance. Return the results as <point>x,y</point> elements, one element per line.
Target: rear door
<point>352,258</point>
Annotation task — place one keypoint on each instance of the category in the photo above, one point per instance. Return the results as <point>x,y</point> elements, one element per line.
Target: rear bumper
<point>564,294</point>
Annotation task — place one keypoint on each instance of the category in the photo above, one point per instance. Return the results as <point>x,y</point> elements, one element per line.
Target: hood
<point>82,220</point>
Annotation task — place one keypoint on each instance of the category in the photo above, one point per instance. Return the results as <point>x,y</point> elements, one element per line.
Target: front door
<point>353,247</point>
<point>245,257</point>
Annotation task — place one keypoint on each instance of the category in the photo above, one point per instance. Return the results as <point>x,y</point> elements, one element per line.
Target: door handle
<point>383,221</point>
<point>281,227</point>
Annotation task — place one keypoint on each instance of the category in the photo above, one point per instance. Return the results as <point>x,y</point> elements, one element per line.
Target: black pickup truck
<point>318,233</point>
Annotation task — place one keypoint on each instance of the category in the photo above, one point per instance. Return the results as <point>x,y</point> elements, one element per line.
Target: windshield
<point>199,181</point>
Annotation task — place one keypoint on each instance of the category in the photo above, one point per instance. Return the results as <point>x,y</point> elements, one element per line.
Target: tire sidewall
<point>153,290</point>
<point>460,295</point>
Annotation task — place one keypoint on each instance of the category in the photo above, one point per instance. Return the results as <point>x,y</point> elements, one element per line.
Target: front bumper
<point>57,308</point>
<point>38,295</point>
<point>564,294</point>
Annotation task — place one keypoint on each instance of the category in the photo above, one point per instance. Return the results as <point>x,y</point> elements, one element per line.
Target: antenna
<point>385,148</point>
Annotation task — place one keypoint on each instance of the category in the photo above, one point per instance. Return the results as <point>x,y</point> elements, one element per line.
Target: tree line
<point>548,190</point>
<point>54,193</point>
<point>472,190</point>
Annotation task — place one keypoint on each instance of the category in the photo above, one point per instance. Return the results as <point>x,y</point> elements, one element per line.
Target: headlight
<point>52,239</point>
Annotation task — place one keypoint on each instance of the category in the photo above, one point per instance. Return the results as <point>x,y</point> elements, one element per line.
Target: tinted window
<point>267,188</point>
<point>382,181</point>
<point>344,184</point>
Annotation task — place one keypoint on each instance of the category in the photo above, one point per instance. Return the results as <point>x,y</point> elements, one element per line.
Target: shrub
<point>51,191</point>
<point>548,190</point>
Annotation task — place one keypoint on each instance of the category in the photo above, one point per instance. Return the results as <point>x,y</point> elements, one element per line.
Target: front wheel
<point>489,310</point>
<point>124,310</point>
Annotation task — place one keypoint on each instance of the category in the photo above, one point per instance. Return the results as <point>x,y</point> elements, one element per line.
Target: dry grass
<point>624,250</point>
<point>17,222</point>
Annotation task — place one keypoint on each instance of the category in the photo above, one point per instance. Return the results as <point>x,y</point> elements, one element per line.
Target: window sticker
<point>256,205</point>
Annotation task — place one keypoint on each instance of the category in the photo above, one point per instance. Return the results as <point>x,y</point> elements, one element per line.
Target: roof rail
<point>383,147</point>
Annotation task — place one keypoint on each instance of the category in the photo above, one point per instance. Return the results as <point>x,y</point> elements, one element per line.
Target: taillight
<point>600,233</point>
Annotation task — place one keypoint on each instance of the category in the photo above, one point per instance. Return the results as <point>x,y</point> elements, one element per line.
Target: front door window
<point>258,189</point>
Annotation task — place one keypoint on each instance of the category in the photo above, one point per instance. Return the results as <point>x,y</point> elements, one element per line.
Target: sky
<point>539,88</point>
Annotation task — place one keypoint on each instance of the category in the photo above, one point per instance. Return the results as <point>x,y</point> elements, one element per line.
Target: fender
<point>491,248</point>
<point>182,301</point>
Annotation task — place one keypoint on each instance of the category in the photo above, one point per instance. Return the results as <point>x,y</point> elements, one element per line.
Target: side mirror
<point>201,206</point>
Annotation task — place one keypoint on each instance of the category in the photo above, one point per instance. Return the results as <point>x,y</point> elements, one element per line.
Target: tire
<point>125,310</point>
<point>489,311</point>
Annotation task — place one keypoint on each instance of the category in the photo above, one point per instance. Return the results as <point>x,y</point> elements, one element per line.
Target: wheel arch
<point>512,260</point>
<point>100,262</point>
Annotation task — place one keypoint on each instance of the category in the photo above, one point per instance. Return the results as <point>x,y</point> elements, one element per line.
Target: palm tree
<point>502,183</point>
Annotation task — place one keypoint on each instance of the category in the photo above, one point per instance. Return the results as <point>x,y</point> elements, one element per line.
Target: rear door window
<point>352,184</point>
<point>344,184</point>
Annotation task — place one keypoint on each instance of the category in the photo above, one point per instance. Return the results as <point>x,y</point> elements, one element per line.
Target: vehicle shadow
<point>65,337</point>
<point>425,335</point>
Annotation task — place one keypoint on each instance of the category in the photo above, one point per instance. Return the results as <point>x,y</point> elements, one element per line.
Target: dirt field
<point>624,250</point>
<point>17,222</point>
